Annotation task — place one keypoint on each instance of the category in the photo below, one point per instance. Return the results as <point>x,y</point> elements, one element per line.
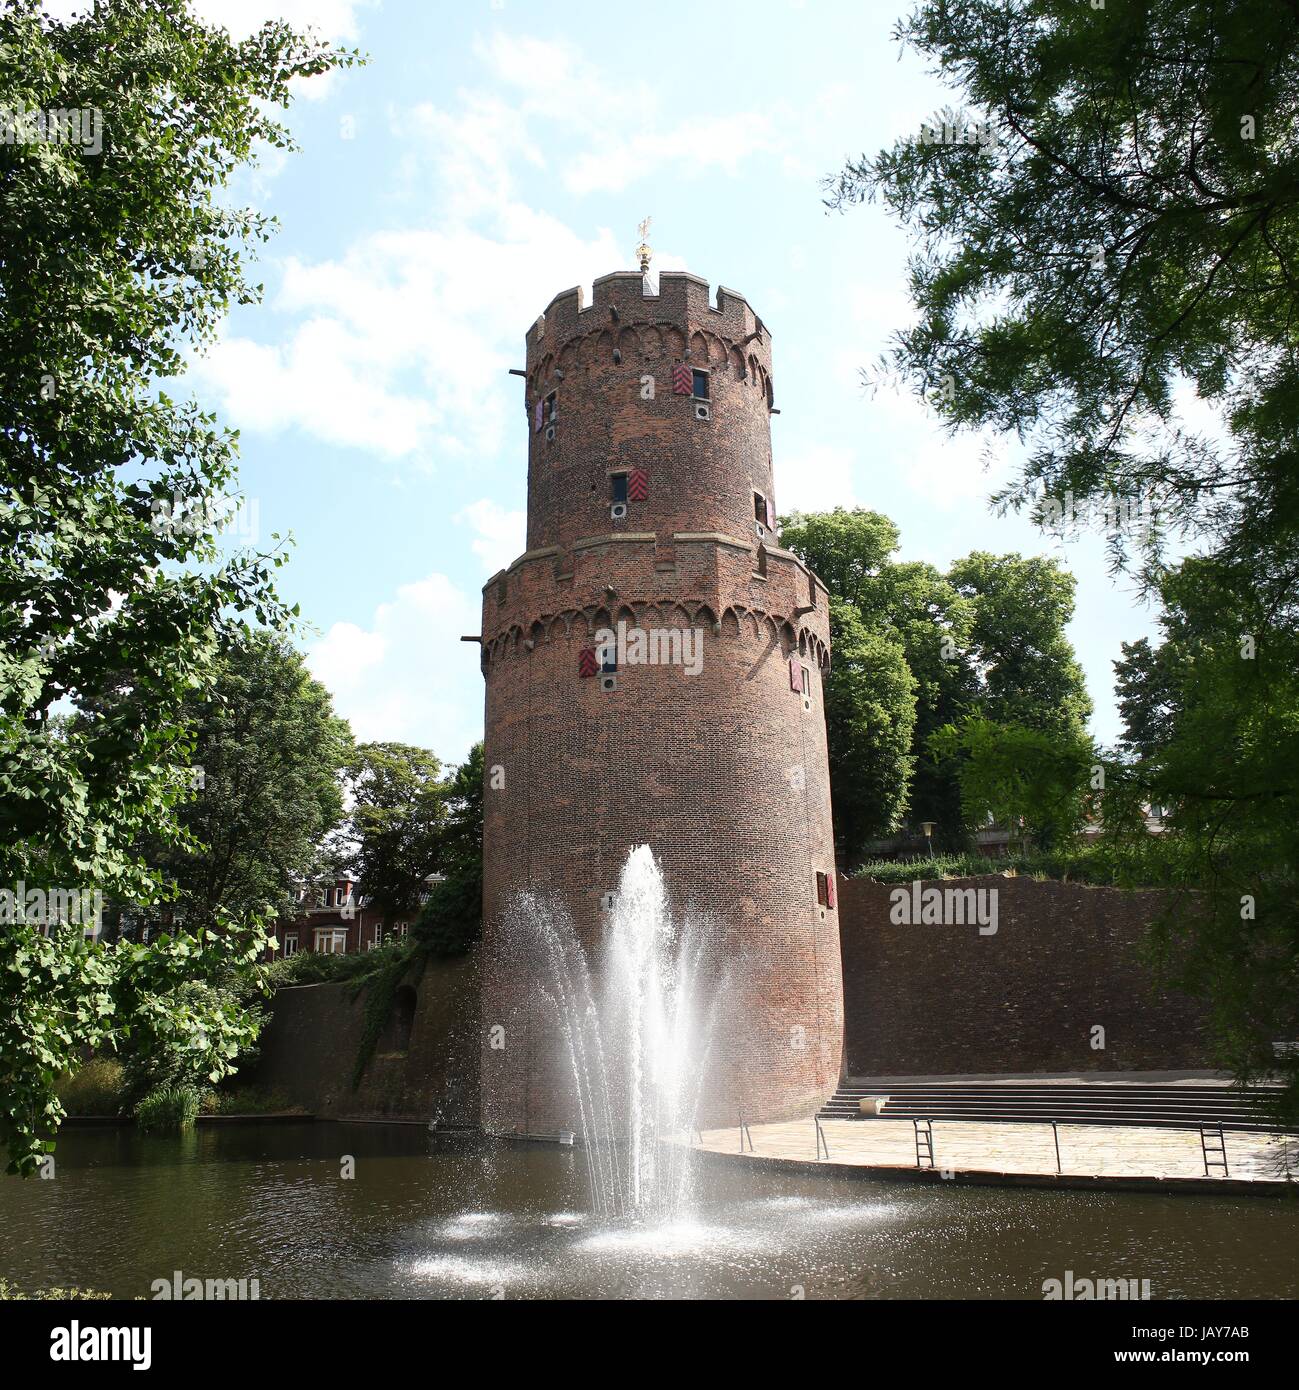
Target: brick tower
<point>650,504</point>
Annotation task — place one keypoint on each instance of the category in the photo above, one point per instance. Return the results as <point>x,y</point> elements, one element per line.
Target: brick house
<point>333,916</point>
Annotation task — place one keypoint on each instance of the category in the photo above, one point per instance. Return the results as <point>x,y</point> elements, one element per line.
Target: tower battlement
<point>682,299</point>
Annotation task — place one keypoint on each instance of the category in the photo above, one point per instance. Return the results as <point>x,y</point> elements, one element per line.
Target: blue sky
<point>487,157</point>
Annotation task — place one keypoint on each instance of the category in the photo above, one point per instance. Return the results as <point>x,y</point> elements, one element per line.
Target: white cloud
<point>407,338</point>
<point>408,678</point>
<point>621,121</point>
<point>816,478</point>
<point>335,19</point>
<point>501,534</point>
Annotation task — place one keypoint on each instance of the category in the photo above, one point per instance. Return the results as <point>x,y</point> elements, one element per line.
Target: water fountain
<point>636,1037</point>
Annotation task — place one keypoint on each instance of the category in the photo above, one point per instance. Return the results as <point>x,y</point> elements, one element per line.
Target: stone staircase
<point>1185,1106</point>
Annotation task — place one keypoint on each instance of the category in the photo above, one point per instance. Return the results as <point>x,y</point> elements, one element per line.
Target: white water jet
<point>636,1038</point>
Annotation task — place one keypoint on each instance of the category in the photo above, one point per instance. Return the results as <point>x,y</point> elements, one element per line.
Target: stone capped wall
<point>309,1048</point>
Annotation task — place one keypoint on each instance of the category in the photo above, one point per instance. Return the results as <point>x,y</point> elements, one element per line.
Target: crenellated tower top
<point>649,412</point>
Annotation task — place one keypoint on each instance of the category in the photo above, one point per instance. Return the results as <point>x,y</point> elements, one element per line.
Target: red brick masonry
<point>723,773</point>
<point>1065,958</point>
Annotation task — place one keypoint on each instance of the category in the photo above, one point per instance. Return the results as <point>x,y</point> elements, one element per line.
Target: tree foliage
<point>269,753</point>
<point>1033,782</point>
<point>1131,230</point>
<point>451,920</point>
<point>916,650</point>
<point>114,262</point>
<point>397,822</point>
<point>1123,243</point>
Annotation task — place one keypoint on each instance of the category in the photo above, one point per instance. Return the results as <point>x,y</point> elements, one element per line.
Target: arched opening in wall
<point>401,1021</point>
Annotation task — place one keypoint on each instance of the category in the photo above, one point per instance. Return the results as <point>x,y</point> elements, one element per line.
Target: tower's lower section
<point>723,773</point>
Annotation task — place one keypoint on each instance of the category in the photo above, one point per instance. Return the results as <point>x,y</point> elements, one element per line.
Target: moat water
<point>426,1216</point>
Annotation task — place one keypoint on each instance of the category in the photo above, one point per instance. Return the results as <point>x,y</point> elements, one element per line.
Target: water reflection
<point>427,1219</point>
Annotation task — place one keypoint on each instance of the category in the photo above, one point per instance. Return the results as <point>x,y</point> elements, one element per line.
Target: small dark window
<point>551,408</point>
<point>759,507</point>
<point>617,487</point>
<point>699,384</point>
<point>823,889</point>
<point>762,560</point>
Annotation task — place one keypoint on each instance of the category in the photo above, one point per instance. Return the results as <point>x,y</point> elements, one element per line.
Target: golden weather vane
<point>643,250</point>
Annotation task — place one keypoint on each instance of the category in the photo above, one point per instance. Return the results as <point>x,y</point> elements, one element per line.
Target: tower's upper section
<point>648,413</point>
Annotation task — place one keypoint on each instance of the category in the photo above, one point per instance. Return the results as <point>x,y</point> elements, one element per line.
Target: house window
<point>807,679</point>
<point>551,407</point>
<point>290,944</point>
<point>823,889</point>
<point>759,507</point>
<point>331,941</point>
<point>699,384</point>
<point>617,487</point>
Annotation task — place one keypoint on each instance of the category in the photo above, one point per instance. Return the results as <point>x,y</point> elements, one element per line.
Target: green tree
<point>870,707</point>
<point>397,823</point>
<point>1129,238</point>
<point>1128,228</point>
<point>114,262</point>
<point>1145,685</point>
<point>1212,737</point>
<point>451,920</point>
<point>1028,780</point>
<point>1028,673</point>
<point>269,753</point>
<point>988,639</point>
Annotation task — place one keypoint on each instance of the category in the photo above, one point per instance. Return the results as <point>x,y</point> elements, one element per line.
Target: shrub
<point>168,1110</point>
<point>451,920</point>
<point>249,1100</point>
<point>320,967</point>
<point>96,1088</point>
<point>12,1293</point>
<point>1085,864</point>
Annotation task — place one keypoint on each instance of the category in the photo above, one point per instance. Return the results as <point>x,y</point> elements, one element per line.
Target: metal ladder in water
<point>924,1142</point>
<point>1213,1147</point>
